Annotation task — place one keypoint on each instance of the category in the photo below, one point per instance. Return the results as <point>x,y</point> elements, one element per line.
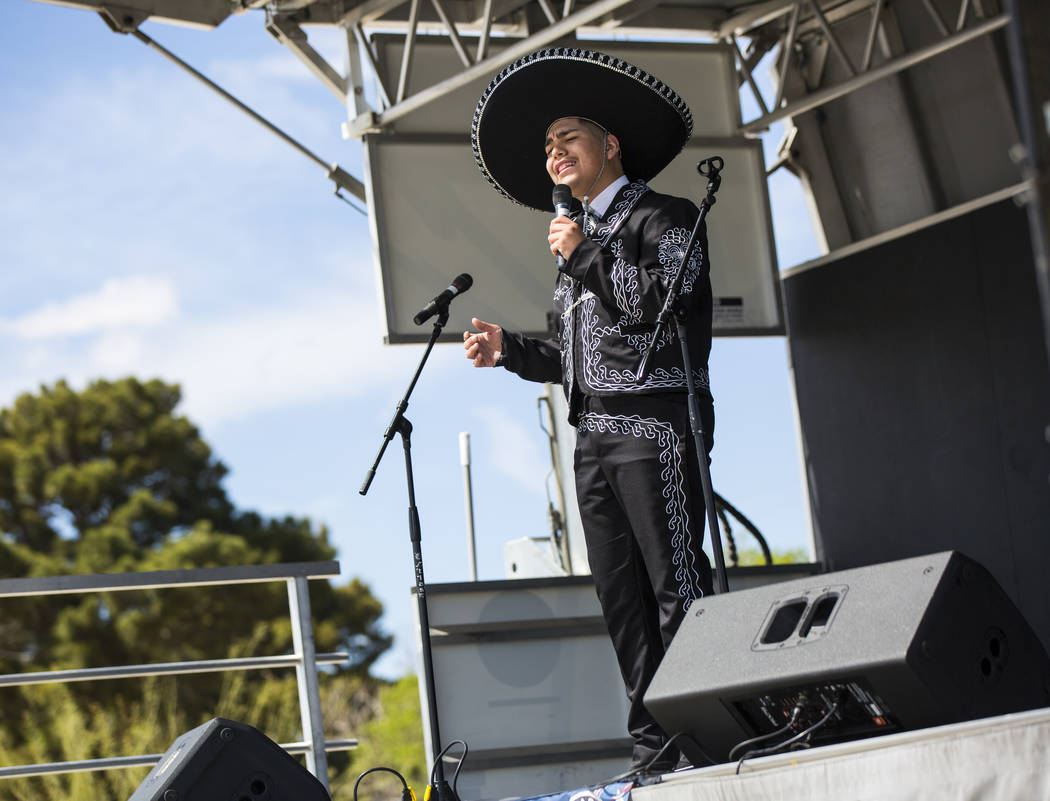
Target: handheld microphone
<point>561,196</point>
<point>460,284</point>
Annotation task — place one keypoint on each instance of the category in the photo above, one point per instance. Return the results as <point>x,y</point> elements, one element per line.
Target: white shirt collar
<point>600,204</point>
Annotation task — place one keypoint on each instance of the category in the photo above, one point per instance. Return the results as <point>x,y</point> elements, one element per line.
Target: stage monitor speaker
<point>223,760</point>
<point>897,646</point>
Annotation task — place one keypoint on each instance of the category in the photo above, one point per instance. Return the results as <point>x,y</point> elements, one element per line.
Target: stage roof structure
<point>824,51</point>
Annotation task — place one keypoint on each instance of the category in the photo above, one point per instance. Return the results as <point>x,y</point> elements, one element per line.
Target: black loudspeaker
<point>228,761</point>
<point>903,645</point>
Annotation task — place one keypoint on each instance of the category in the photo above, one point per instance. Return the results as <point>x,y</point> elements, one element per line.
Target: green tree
<point>392,736</point>
<point>112,456</point>
<point>113,479</point>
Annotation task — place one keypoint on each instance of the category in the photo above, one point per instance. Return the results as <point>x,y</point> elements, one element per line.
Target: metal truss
<point>752,29</point>
<point>809,18</point>
<point>476,62</point>
<point>468,27</point>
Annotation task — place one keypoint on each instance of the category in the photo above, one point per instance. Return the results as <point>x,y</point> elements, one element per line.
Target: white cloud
<point>249,72</point>
<point>267,303</point>
<point>135,301</point>
<point>118,353</point>
<point>308,347</point>
<point>317,345</point>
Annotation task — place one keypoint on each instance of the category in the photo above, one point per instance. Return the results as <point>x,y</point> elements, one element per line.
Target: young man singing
<point>607,127</point>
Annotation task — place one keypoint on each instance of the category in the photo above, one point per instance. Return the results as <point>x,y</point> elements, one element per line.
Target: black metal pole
<point>441,787</point>
<point>721,580</point>
<point>1026,48</point>
<point>710,169</point>
<point>401,425</point>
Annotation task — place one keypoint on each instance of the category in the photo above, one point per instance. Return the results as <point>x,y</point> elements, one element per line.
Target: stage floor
<point>1005,758</point>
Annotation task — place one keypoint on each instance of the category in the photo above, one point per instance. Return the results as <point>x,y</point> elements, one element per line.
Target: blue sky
<point>148,228</point>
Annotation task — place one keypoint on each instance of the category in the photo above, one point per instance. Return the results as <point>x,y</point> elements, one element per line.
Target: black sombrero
<point>651,121</point>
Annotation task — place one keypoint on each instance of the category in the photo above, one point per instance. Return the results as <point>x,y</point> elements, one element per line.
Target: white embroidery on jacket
<point>624,276</point>
<point>670,252</point>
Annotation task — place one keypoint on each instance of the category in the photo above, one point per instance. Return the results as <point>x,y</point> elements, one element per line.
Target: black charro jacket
<point>607,297</point>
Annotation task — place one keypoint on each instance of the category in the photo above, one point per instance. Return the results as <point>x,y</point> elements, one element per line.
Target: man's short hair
<point>597,130</point>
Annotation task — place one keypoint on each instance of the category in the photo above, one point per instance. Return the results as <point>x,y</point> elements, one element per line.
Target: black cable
<point>802,735</point>
<point>727,531</point>
<point>751,527</point>
<point>462,758</point>
<point>795,712</point>
<point>648,765</point>
<point>406,792</point>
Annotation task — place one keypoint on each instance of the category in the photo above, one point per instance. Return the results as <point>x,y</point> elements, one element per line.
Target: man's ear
<point>612,146</point>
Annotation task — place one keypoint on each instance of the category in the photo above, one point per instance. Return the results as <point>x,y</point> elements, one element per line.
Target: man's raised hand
<point>564,236</point>
<point>484,346</point>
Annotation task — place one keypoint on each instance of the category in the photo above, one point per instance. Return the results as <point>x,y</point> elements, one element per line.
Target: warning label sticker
<point>728,311</point>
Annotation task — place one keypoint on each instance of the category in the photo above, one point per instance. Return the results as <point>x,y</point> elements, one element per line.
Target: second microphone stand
<point>401,425</point>
<point>710,169</point>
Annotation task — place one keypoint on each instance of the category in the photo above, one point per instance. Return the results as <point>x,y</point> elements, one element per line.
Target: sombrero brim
<point>511,119</point>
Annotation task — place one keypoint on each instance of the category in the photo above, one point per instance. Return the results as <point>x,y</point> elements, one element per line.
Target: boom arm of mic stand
<point>713,168</point>
<point>399,413</point>
<point>709,168</point>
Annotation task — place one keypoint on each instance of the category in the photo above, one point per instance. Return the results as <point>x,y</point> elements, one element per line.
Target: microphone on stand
<point>460,284</point>
<point>561,196</point>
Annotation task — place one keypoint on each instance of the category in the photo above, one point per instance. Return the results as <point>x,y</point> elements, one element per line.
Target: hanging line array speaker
<point>224,760</point>
<point>903,645</point>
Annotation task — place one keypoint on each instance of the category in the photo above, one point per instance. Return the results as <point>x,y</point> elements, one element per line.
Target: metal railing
<point>304,657</point>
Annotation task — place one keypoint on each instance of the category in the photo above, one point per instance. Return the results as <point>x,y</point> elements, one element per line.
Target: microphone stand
<point>710,169</point>
<point>401,425</point>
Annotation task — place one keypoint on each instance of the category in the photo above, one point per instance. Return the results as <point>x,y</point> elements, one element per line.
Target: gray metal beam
<point>334,172</point>
<point>142,761</point>
<point>410,47</point>
<point>754,17</point>
<point>367,11</point>
<point>836,256</point>
<point>833,40</point>
<point>938,20</point>
<point>787,49</point>
<point>823,96</point>
<point>873,29</point>
<point>165,669</point>
<point>294,38</point>
<point>490,65</point>
<point>453,34</point>
<point>306,677</point>
<point>632,11</point>
<point>201,13</point>
<point>363,45</point>
<point>1030,70</point>
<point>483,39</point>
<point>548,12</point>
<point>356,94</point>
<point>155,579</point>
<point>746,70</point>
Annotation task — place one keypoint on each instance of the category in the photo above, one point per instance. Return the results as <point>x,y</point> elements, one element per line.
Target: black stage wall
<point>924,398</point>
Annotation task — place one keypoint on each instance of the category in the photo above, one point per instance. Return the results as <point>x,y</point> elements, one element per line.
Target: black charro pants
<point>643,519</point>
